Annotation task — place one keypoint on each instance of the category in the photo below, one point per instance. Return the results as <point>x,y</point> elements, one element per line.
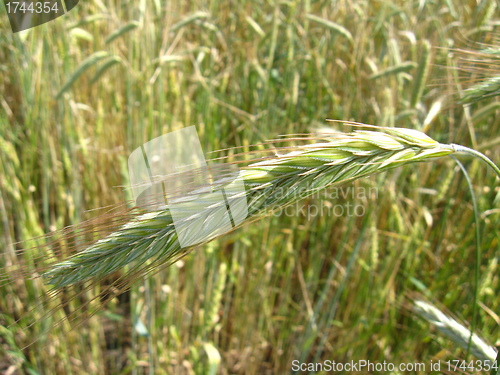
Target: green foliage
<point>297,286</point>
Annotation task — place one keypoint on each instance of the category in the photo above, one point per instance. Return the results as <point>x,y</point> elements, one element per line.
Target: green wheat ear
<point>150,240</point>
<point>489,86</point>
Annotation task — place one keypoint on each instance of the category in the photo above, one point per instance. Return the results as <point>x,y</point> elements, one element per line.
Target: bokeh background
<point>83,91</point>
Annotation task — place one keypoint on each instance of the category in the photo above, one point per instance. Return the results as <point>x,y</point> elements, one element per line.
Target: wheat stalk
<point>456,332</point>
<point>150,240</point>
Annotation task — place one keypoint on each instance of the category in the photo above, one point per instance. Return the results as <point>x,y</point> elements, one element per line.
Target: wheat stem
<point>477,154</point>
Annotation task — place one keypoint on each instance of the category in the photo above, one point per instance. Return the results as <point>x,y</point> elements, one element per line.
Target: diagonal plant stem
<point>477,154</point>
<point>478,254</point>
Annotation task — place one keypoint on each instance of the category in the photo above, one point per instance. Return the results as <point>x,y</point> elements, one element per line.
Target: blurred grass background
<point>81,92</point>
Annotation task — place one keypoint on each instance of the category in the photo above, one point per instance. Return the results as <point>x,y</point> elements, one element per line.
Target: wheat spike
<point>486,89</point>
<point>150,240</point>
<point>269,184</point>
<point>486,62</point>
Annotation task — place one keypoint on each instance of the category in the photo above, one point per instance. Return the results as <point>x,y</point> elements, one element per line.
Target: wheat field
<point>335,276</point>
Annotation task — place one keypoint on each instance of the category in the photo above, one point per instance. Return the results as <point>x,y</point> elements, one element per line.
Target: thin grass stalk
<point>477,270</point>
